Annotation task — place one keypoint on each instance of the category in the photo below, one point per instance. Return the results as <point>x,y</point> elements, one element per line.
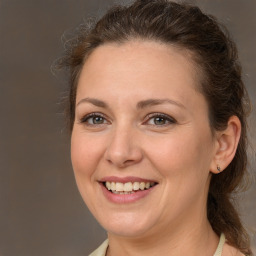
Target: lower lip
<point>125,198</point>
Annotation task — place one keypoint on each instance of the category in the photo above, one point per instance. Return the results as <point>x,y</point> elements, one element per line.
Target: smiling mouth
<point>128,187</point>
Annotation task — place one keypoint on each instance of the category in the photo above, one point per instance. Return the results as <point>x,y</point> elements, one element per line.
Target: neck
<point>191,240</point>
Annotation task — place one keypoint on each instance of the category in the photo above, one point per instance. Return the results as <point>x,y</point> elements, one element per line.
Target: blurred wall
<point>41,211</point>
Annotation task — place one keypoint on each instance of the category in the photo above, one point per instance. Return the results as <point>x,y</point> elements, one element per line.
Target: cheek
<point>85,154</point>
<point>183,163</point>
<point>185,154</point>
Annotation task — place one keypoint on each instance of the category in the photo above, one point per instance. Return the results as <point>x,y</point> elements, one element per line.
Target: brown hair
<point>216,56</point>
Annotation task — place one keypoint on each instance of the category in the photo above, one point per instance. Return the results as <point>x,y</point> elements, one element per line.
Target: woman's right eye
<point>94,119</point>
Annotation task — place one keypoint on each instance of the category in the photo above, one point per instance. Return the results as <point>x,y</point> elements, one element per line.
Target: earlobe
<point>226,145</point>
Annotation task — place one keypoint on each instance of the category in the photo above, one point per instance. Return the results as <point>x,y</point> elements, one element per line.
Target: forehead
<point>138,47</point>
<point>139,63</point>
<point>144,53</point>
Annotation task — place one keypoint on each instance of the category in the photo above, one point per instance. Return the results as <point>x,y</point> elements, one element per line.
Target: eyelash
<point>85,119</point>
<point>164,117</point>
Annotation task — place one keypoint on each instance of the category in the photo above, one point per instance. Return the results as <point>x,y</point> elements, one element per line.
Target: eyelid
<point>149,116</point>
<point>90,115</point>
<point>159,114</point>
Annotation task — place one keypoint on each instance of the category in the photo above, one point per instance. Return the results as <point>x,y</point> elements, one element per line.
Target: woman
<point>158,123</point>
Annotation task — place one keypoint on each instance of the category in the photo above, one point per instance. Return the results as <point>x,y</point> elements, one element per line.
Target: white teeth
<point>113,186</point>
<point>126,193</point>
<point>128,187</point>
<point>119,186</point>
<point>136,186</point>
<point>108,185</point>
<point>142,185</point>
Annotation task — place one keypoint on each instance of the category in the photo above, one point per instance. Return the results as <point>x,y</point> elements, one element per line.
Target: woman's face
<point>140,122</point>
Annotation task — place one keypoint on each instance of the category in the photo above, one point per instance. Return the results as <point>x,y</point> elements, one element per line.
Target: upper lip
<point>125,179</point>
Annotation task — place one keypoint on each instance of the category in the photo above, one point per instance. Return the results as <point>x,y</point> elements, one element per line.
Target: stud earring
<point>218,168</point>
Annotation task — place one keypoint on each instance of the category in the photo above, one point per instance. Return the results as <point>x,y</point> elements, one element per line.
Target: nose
<point>123,149</point>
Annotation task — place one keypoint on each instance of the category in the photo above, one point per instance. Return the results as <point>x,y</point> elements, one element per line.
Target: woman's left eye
<point>160,119</point>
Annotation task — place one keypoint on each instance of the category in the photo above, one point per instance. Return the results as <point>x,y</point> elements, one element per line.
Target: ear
<point>226,145</point>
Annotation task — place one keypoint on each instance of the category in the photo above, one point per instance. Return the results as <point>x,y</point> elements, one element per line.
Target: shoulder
<point>229,250</point>
<point>101,251</point>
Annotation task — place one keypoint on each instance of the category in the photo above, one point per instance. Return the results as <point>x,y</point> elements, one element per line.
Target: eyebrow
<point>140,105</point>
<point>154,102</point>
<point>96,102</point>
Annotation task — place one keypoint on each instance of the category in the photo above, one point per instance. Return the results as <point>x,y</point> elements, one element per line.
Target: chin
<point>127,231</point>
<point>128,225</point>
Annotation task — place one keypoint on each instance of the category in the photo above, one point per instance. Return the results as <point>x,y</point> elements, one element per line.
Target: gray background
<point>41,211</point>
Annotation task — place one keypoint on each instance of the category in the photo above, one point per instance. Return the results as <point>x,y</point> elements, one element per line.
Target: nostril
<point>121,163</point>
<point>123,150</point>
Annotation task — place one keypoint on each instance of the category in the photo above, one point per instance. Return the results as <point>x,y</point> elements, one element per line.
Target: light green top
<point>101,251</point>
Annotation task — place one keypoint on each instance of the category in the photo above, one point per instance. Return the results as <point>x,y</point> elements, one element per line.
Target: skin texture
<point>180,153</point>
